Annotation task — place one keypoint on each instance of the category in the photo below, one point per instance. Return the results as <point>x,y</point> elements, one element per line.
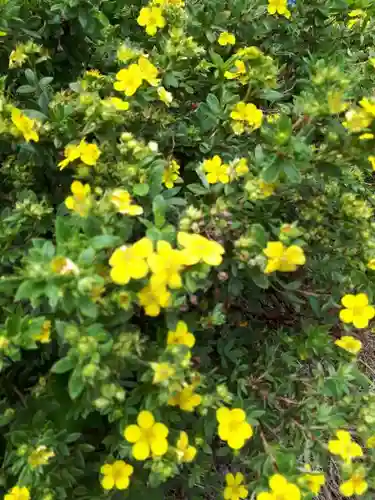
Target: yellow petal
<point>107,482</point>
<point>132,433</point>
<point>346,315</point>
<point>277,483</point>
<point>159,446</point>
<point>141,450</point>
<point>348,301</point>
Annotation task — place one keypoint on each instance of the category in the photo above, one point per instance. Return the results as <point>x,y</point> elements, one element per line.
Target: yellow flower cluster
<point>151,17</point>
<point>86,152</point>
<point>40,456</point>
<point>226,38</point>
<point>131,78</point>
<point>349,344</point>
<point>44,337</point>
<point>344,447</point>
<point>281,258</point>
<point>246,117</point>
<point>234,489</point>
<point>81,200</point>
<point>25,125</point>
<point>166,266</point>
<point>184,451</point>
<point>219,172</point>
<point>149,438</point>
<point>279,7</point>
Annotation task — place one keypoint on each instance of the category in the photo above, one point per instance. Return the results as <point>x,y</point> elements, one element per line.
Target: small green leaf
<point>63,365</point>
<point>76,385</point>
<point>141,189</point>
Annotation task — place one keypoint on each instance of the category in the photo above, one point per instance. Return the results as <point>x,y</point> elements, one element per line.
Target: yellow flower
<point>358,311</point>
<point>81,200</point>
<point>281,258</point>
<point>115,103</point>
<point>349,344</point>
<point>198,248</point>
<point>371,159</point>
<point>181,336</point>
<point>123,202</point>
<point>216,170</point>
<point>278,7</point>
<point>235,489</point>
<point>226,38</point>
<point>344,446</point>
<point>18,493</point>
<point>128,80</point>
<point>149,437</point>
<point>266,188</point>
<point>241,167</point>
<point>17,57</point>
<point>152,18</point>
<point>87,152</point>
<point>164,95</point>
<point>368,106</point>
<point>116,475</point>
<point>313,482</point>
<point>166,265</point>
<point>371,264</point>
<point>233,427</point>
<point>370,443</point>
<point>154,299</point>
<point>186,398</point>
<point>125,53</point>
<point>247,114</point>
<point>130,262</point>
<point>335,102</point>
<point>94,73</point>
<point>239,73</point>
<point>184,452</point>
<point>149,72</point>
<point>171,174</point>
<point>63,266</point>
<point>162,372</point>
<point>25,125</point>
<point>44,337</point>
<point>356,120</point>
<point>366,136</point>
<point>356,485</point>
<point>281,489</point>
<point>40,456</point>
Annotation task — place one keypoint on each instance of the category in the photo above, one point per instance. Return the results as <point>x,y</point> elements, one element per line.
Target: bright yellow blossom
<point>233,427</point>
<point>152,19</point>
<point>130,262</point>
<point>181,336</point>
<point>241,167</point>
<point>149,72</point>
<point>162,372</point>
<point>370,443</point>
<point>349,344</point>
<point>18,493</point>
<point>279,7</point>
<point>281,489</point>
<point>366,136</point>
<point>344,446</point>
<point>18,56</point>
<point>25,125</point>
<point>116,475</point>
<point>246,114</point>
<point>185,452</point>
<point>128,80</point>
<point>124,204</point>
<point>371,159</point>
<point>357,310</point>
<point>166,266</point>
<point>171,174</point>
<point>81,200</point>
<point>153,299</point>
<point>357,16</point>
<point>186,398</point>
<point>368,106</point>
<point>266,188</point>
<point>115,103</point>
<point>336,105</point>
<point>234,489</point>
<point>198,248</point>
<point>216,170</point>
<point>371,264</point>
<point>282,258</point>
<point>356,485</point>
<point>356,120</point>
<point>312,481</point>
<point>94,73</point>
<point>148,437</point>
<point>239,73</point>
<point>164,95</point>
<point>88,153</point>
<point>44,337</point>
<point>40,456</point>
<point>226,38</point>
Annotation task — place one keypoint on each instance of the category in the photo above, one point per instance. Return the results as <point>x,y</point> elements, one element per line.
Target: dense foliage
<point>187,248</point>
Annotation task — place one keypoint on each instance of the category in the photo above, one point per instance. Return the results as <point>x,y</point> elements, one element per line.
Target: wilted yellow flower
<point>124,204</point>
<point>226,38</point>
<point>241,167</point>
<point>181,336</point>
<point>356,120</point>
<point>94,73</point>
<point>239,73</point>
<point>279,7</point>
<point>153,299</point>
<point>149,72</point>
<point>130,262</point>
<point>356,485</point>
<point>234,489</point>
<point>312,481</point>
<point>152,19</point>
<point>25,125</point>
<point>281,489</point>
<point>162,372</point>
<point>336,104</point>
<point>164,95</point>
<point>349,344</point>
<point>185,452</point>
<point>186,398</point>
<point>128,80</point>
<point>44,337</point>
<point>63,266</point>
<point>200,249</point>
<point>40,456</point>
<point>357,310</point>
<point>125,53</point>
<point>116,475</point>
<point>18,493</point>
<point>149,437</point>
<point>216,170</point>
<point>88,153</point>
<point>233,427</point>
<point>115,103</point>
<point>18,56</point>
<point>344,446</point>
<point>81,200</point>
<point>266,188</point>
<point>357,16</point>
<point>171,174</point>
<point>281,258</point>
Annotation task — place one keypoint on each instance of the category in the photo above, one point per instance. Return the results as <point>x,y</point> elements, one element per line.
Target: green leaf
<point>63,365</point>
<point>25,290</point>
<point>213,103</point>
<point>105,241</point>
<point>26,89</point>
<point>271,173</point>
<point>141,189</point>
<point>292,173</point>
<point>76,385</point>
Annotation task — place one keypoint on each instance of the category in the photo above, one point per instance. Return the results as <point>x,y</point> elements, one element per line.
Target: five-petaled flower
<point>197,248</point>
<point>281,489</point>
<point>18,493</point>
<point>349,344</point>
<point>186,398</point>
<point>88,153</point>
<point>148,437</point>
<point>162,372</point>
<point>355,485</point>
<point>226,38</point>
<point>246,116</point>
<point>25,125</point>
<point>282,258</point>
<point>344,446</point>
<point>181,335</point>
<point>234,489</point>
<point>166,265</point>
<point>152,19</point>
<point>233,427</point>
<point>313,481</point>
<point>216,170</point>
<point>116,475</point>
<point>171,174</point>
<point>357,310</point>
<point>153,299</point>
<point>279,7</point>
<point>80,201</point>
<point>184,451</point>
<point>130,262</point>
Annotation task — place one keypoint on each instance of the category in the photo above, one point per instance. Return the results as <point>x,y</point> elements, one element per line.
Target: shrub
<point>188,248</point>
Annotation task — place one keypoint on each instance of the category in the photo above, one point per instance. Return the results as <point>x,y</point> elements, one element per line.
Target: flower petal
<point>145,420</point>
